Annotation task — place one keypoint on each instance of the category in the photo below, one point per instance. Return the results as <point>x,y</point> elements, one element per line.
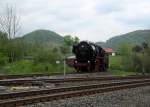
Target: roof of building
<point>109,50</point>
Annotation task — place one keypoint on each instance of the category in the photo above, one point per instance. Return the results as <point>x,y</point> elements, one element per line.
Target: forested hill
<point>135,37</point>
<point>43,37</point>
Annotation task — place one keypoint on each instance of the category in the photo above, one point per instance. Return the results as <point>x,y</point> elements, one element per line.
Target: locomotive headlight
<point>88,61</point>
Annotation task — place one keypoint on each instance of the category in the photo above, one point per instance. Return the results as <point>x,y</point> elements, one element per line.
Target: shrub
<point>115,62</point>
<point>3,59</point>
<point>19,67</point>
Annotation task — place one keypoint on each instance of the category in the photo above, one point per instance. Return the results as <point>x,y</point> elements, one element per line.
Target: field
<point>116,67</point>
<point>115,62</point>
<point>28,67</point>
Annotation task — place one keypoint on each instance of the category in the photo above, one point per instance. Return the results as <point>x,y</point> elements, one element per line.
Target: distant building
<point>110,51</point>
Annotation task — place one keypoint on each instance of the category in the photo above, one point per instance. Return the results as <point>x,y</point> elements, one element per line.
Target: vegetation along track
<point>30,97</point>
<point>15,82</point>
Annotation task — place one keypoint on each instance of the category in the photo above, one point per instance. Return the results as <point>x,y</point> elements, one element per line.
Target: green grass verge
<point>28,67</point>
<point>122,73</point>
<point>115,62</point>
<point>116,67</point>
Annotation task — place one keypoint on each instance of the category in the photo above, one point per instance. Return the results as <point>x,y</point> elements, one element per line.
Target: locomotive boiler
<point>89,57</point>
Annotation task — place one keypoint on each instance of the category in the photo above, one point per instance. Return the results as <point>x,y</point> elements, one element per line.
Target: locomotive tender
<point>89,57</point>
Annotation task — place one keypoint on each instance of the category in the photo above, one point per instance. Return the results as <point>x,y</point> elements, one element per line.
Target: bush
<point>28,67</point>
<point>146,63</point>
<point>46,56</point>
<point>115,62</point>
<point>136,62</point>
<point>43,68</point>
<point>3,59</point>
<point>19,67</point>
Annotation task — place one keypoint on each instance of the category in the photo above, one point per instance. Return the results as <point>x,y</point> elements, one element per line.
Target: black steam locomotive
<point>88,57</point>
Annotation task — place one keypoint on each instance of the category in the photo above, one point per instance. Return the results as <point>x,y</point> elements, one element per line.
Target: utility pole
<point>145,46</point>
<point>64,67</point>
<point>143,69</point>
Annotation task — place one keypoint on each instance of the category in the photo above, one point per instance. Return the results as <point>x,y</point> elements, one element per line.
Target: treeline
<point>135,58</point>
<point>17,56</point>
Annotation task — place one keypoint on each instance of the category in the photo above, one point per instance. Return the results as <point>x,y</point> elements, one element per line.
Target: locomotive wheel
<point>84,69</point>
<point>77,69</point>
<point>103,68</point>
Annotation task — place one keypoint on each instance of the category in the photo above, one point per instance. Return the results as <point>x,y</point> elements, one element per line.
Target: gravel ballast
<point>136,97</point>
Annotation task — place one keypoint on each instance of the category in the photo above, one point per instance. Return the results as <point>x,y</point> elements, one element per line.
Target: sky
<point>93,20</point>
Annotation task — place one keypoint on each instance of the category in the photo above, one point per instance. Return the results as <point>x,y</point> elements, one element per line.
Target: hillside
<point>43,37</point>
<point>135,37</point>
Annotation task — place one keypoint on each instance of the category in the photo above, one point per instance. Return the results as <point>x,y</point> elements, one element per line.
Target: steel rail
<point>15,82</point>
<point>30,75</point>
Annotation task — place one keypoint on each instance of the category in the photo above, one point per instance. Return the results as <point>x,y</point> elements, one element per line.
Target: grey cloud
<point>95,20</point>
<point>109,6</point>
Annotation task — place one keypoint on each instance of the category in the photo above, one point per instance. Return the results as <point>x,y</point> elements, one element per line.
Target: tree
<point>3,42</point>
<point>68,43</point>
<point>69,40</point>
<point>125,50</point>
<point>46,56</point>
<point>137,48</point>
<point>10,22</point>
<point>76,39</point>
<point>145,45</point>
<point>146,57</point>
<point>140,58</point>
<point>64,49</point>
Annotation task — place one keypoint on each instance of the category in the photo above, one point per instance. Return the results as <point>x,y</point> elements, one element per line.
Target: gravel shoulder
<point>136,97</point>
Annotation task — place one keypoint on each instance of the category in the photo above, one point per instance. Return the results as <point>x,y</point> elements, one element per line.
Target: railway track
<point>28,75</point>
<point>43,75</point>
<point>30,97</point>
<point>16,82</point>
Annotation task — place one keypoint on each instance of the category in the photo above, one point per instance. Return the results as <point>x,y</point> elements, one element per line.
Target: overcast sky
<point>94,20</point>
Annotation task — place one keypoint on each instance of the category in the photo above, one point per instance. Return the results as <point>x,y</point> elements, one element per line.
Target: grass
<point>116,67</point>
<point>28,67</point>
<point>115,62</point>
<point>122,73</point>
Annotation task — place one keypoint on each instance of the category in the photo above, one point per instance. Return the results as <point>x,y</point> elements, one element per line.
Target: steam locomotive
<point>89,57</point>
